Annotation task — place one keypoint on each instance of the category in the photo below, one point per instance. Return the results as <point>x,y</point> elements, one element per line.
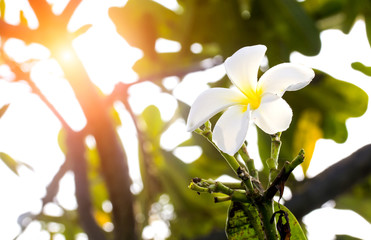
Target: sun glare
<point>108,60</point>
<point>67,55</point>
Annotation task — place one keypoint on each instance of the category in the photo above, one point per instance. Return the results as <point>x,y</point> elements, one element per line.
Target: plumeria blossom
<point>250,100</point>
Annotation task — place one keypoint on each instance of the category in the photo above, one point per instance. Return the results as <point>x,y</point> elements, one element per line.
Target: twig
<point>20,32</point>
<point>280,180</point>
<point>272,162</point>
<point>200,185</point>
<point>232,161</point>
<point>26,77</point>
<point>120,89</point>
<point>53,187</point>
<point>248,161</point>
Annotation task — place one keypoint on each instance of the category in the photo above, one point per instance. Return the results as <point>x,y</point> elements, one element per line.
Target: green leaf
<point>243,222</point>
<point>141,22</point>
<point>291,25</point>
<point>81,30</point>
<point>97,187</point>
<point>346,237</point>
<point>3,109</point>
<point>164,173</point>
<point>22,18</point>
<point>210,164</point>
<point>115,116</point>
<point>154,124</point>
<point>362,68</point>
<point>166,64</point>
<point>2,8</point>
<point>13,164</point>
<point>62,140</point>
<point>357,199</point>
<point>297,232</point>
<point>320,111</point>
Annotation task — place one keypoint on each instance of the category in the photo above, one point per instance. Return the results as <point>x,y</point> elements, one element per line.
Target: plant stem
<point>200,185</point>
<point>283,175</point>
<point>222,199</point>
<point>272,162</point>
<point>232,161</point>
<point>248,161</point>
<point>266,210</point>
<point>232,185</point>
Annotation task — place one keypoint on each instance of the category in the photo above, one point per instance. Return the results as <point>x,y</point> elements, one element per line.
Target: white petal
<point>273,115</point>
<point>285,77</point>
<point>231,129</point>
<point>242,67</point>
<point>209,103</point>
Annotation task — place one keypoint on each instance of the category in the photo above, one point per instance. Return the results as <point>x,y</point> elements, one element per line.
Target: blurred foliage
<point>357,199</point>
<point>320,110</point>
<point>11,163</point>
<point>362,68</point>
<point>220,27</point>
<point>163,173</point>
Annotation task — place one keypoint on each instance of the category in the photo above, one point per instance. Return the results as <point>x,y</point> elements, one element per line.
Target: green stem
<point>232,185</point>
<point>283,175</point>
<point>266,210</point>
<point>200,185</point>
<point>232,161</point>
<point>275,147</point>
<point>272,162</point>
<point>248,161</point>
<point>222,199</point>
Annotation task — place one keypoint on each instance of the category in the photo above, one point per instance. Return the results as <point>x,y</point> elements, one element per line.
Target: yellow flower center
<point>253,98</point>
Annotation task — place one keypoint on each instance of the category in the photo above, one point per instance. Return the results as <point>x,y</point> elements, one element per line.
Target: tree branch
<point>20,32</point>
<point>120,89</point>
<point>332,182</point>
<point>76,151</point>
<point>42,10</point>
<point>112,156</point>
<point>70,9</point>
<point>53,187</point>
<point>15,68</point>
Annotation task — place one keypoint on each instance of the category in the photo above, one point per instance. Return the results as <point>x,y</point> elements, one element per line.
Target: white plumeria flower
<point>259,101</point>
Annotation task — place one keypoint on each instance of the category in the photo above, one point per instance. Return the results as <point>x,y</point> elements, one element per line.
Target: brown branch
<point>76,152</point>
<point>99,123</point>
<point>38,92</point>
<point>19,31</point>
<point>200,66</point>
<point>53,187</point>
<point>120,91</point>
<point>42,10</point>
<point>332,182</point>
<point>70,9</point>
<point>113,159</point>
<point>21,75</point>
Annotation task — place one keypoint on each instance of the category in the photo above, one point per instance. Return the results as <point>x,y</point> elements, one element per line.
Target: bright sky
<point>28,128</point>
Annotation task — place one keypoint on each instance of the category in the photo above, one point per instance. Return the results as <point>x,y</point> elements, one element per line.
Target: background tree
<point>220,28</point>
